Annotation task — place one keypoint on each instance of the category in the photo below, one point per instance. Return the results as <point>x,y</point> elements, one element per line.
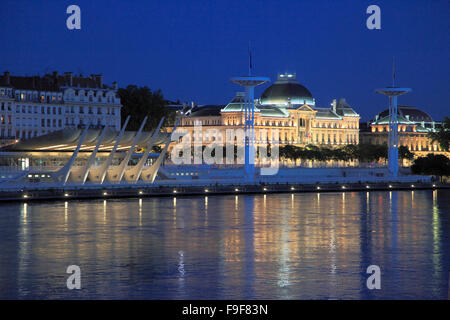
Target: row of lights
<point>236,190</point>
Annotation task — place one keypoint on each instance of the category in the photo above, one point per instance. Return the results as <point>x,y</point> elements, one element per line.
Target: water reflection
<point>283,246</point>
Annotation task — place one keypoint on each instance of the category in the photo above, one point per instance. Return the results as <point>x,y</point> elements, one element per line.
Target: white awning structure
<point>90,141</point>
<point>67,140</point>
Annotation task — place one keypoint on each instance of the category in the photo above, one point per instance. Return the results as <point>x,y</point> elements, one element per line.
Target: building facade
<point>32,106</point>
<point>285,106</point>
<point>413,128</point>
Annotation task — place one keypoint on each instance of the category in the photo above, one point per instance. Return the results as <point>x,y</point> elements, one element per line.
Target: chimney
<point>114,84</point>
<point>55,74</point>
<point>7,79</point>
<point>68,78</point>
<point>99,80</point>
<point>334,104</point>
<point>192,104</point>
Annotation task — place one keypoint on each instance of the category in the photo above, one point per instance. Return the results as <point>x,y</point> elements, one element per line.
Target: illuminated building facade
<point>413,127</point>
<point>31,106</point>
<point>286,106</point>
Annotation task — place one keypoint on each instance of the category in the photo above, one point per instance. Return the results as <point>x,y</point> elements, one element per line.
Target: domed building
<point>413,127</point>
<point>288,107</point>
<point>287,91</point>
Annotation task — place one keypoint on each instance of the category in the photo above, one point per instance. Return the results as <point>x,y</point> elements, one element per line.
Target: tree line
<point>139,102</point>
<point>360,152</point>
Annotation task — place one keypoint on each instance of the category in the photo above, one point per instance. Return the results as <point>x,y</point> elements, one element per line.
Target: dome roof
<point>410,113</point>
<point>286,89</point>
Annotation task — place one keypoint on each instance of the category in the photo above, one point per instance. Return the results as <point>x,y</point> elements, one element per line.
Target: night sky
<point>189,49</point>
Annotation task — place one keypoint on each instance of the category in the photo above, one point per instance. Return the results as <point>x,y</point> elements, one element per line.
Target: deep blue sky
<point>189,49</point>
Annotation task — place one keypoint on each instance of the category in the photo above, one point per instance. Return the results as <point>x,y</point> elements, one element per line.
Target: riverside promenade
<point>287,181</point>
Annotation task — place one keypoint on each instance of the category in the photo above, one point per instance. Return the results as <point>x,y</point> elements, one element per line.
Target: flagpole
<point>249,60</point>
<point>393,72</point>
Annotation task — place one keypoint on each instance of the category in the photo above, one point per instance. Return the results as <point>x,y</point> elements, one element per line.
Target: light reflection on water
<point>274,246</point>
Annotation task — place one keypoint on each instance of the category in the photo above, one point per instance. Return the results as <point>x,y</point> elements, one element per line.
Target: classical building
<point>286,106</point>
<point>413,127</point>
<point>32,106</point>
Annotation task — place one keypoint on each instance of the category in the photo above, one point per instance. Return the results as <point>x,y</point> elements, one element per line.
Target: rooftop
<point>53,82</point>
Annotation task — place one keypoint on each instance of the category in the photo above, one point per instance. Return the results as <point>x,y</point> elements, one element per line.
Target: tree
<point>139,102</point>
<point>404,153</point>
<point>442,135</point>
<point>372,152</point>
<point>432,164</point>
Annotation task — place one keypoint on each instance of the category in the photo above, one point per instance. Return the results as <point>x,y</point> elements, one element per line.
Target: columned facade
<point>286,107</point>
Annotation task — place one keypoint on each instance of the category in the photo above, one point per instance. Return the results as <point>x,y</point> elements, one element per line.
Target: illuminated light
<point>25,196</point>
<point>105,193</point>
<point>55,146</point>
<point>318,188</point>
<point>343,187</point>
<point>236,189</point>
<point>434,185</point>
<point>174,191</point>
<point>265,189</point>
<point>412,186</point>
<point>292,188</point>
<point>140,192</point>
<point>390,186</point>
<point>367,187</point>
<point>66,194</point>
<point>206,190</point>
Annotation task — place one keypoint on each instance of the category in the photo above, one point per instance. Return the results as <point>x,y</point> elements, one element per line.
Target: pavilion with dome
<point>286,106</point>
<point>414,125</point>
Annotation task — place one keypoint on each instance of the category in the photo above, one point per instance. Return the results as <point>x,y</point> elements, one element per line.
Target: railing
<point>10,169</point>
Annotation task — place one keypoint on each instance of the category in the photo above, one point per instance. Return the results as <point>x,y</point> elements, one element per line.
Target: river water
<point>274,246</point>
